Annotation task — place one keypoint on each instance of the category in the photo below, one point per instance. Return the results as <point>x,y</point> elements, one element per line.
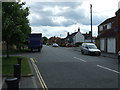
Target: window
<point>109,26</point>
<point>101,28</point>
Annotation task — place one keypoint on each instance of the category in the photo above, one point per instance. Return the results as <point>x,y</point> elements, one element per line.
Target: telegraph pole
<point>60,35</point>
<point>91,20</point>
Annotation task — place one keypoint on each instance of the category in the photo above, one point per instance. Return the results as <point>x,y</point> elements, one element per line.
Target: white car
<point>90,48</point>
<point>55,45</point>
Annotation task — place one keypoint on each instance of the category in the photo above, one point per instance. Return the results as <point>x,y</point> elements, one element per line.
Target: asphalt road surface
<point>66,68</point>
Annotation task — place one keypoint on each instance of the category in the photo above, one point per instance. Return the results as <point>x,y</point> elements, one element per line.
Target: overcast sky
<point>57,18</point>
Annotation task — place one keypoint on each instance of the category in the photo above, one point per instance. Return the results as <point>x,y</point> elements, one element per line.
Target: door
<point>111,45</point>
<point>102,44</point>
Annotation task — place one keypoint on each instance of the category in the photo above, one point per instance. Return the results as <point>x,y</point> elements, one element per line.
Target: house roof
<point>107,33</point>
<point>87,35</point>
<point>118,11</point>
<point>108,20</point>
<point>94,37</point>
<point>73,34</point>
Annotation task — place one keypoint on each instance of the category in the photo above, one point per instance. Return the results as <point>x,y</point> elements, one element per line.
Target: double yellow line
<point>42,82</point>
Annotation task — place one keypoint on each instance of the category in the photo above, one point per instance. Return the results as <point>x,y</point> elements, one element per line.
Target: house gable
<point>78,37</point>
<point>106,25</point>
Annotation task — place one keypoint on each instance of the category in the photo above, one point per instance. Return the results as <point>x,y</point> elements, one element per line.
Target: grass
<point>7,65</point>
<point>15,51</point>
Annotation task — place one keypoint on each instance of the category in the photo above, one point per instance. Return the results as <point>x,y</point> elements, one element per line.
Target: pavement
<point>25,82</point>
<point>30,81</point>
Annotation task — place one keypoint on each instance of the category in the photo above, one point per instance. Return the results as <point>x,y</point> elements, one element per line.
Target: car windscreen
<point>92,47</point>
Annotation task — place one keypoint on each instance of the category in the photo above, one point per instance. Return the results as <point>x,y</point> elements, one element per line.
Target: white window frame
<point>109,26</point>
<point>101,28</point>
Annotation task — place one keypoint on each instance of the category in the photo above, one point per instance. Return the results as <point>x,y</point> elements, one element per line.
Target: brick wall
<point>3,46</point>
<point>117,24</point>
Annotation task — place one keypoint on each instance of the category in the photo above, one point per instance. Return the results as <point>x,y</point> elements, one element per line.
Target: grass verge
<point>7,65</point>
<point>15,51</point>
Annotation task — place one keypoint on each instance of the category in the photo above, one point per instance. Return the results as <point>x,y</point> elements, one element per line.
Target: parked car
<point>47,44</point>
<point>90,48</point>
<point>119,57</point>
<point>69,45</point>
<point>55,45</point>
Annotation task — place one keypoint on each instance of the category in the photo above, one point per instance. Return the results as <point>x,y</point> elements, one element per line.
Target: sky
<point>57,17</point>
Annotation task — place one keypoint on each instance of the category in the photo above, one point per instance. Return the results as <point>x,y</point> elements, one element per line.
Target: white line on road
<point>108,69</point>
<point>80,59</point>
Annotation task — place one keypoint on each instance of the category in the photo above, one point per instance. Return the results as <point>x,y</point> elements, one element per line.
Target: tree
<point>15,24</point>
<point>44,40</point>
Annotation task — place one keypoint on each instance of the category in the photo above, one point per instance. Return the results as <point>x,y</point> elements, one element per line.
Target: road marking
<point>80,59</point>
<point>108,69</point>
<point>42,82</point>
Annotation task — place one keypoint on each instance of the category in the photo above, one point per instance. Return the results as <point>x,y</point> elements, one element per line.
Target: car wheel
<point>99,54</point>
<point>31,50</point>
<point>119,60</point>
<point>89,53</point>
<point>39,50</point>
<point>82,52</point>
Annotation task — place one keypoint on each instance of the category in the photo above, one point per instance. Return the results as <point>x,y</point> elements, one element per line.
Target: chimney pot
<point>78,29</point>
<point>68,34</point>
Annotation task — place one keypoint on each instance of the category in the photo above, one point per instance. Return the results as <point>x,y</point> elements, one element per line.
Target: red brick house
<point>109,34</point>
<point>117,25</point>
<point>54,40</point>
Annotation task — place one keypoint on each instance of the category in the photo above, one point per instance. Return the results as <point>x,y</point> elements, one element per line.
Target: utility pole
<point>60,35</point>
<point>91,20</point>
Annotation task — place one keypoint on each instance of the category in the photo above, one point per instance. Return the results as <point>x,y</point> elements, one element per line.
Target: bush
<point>63,45</point>
<point>78,44</point>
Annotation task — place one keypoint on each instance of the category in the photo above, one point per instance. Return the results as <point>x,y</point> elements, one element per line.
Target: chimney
<point>78,29</point>
<point>90,32</point>
<point>68,34</point>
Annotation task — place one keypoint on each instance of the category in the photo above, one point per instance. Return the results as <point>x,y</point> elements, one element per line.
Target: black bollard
<point>17,71</point>
<point>19,60</point>
<point>12,83</point>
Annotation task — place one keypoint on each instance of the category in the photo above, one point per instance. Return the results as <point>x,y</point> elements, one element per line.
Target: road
<point>65,68</point>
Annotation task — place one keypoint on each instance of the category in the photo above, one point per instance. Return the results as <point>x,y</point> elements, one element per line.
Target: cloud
<point>57,31</point>
<point>50,31</point>
<point>57,14</point>
<point>63,12</point>
<point>54,18</point>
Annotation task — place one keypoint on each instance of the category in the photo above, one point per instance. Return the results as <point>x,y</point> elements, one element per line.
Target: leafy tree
<point>44,40</point>
<point>15,24</point>
<point>0,21</point>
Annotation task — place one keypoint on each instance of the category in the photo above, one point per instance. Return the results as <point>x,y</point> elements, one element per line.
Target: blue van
<point>35,42</point>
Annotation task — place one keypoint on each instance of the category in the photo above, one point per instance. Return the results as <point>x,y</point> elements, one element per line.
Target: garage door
<point>111,45</point>
<point>102,45</point>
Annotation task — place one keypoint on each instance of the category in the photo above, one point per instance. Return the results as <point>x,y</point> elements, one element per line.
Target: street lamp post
<point>91,20</point>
